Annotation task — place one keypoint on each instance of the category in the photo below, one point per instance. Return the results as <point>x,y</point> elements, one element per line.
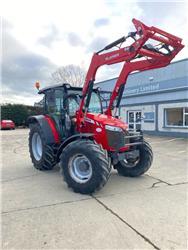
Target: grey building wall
<point>174,70</point>
<point>153,91</point>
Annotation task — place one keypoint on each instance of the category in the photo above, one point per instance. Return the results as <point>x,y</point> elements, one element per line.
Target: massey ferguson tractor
<point>86,140</point>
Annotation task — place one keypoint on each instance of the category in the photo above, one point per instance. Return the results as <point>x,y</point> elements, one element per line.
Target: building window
<point>176,117</point>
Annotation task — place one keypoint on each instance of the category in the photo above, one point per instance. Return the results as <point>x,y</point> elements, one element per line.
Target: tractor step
<point>133,136</point>
<point>133,143</point>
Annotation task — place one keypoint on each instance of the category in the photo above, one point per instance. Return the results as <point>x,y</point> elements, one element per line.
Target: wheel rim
<point>80,168</point>
<point>130,163</point>
<point>37,146</point>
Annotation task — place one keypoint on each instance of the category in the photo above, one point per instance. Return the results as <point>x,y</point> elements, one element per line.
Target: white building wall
<point>150,126</point>
<point>161,117</point>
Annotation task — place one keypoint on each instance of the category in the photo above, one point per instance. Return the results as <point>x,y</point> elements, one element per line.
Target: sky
<point>39,36</point>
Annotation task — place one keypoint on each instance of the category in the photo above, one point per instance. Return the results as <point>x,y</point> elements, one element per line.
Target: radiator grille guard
<point>121,139</point>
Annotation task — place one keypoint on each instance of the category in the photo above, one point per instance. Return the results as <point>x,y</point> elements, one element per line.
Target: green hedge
<point>18,113</point>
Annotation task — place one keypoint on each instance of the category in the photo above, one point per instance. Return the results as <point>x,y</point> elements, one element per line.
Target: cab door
<point>54,107</point>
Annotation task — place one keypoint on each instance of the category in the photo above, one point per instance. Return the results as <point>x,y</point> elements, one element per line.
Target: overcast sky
<point>39,36</point>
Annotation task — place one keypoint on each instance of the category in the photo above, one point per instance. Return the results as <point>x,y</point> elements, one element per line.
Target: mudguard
<point>48,127</point>
<point>71,139</point>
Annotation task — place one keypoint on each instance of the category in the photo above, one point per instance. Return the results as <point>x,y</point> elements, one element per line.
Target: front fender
<point>71,139</point>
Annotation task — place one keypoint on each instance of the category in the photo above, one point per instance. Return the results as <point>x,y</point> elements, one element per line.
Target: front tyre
<point>137,167</point>
<point>42,154</point>
<point>86,166</point>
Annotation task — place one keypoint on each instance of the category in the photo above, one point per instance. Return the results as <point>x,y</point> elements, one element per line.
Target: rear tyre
<point>85,165</point>
<point>137,167</point>
<point>42,155</point>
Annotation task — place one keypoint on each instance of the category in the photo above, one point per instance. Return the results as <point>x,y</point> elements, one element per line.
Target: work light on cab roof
<point>37,85</point>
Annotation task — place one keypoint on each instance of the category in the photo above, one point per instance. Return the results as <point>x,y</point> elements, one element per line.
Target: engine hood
<point>105,120</point>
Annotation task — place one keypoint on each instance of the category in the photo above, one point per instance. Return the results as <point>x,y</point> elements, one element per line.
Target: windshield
<point>73,106</point>
<point>95,104</point>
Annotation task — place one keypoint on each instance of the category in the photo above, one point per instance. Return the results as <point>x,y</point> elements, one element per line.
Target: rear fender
<point>48,127</point>
<point>71,139</point>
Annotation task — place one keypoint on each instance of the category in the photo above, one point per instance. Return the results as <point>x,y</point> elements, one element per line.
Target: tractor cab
<point>61,102</point>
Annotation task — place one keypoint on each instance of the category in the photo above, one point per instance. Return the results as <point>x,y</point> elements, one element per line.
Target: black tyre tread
<point>48,160</point>
<point>143,165</point>
<point>101,167</point>
<point>149,148</point>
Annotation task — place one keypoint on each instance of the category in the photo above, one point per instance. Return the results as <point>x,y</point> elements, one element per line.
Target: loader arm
<point>139,56</point>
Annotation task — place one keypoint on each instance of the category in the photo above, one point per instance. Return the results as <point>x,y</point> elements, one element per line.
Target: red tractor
<point>75,130</point>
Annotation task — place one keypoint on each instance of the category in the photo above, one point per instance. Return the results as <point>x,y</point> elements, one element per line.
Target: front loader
<point>86,140</point>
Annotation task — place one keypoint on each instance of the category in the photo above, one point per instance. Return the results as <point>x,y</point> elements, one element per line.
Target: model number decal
<point>111,57</point>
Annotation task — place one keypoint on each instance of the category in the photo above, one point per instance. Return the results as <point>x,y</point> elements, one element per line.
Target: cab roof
<point>57,86</point>
<point>66,86</point>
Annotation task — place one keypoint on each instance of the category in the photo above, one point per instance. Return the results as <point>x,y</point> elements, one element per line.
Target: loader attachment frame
<point>139,56</point>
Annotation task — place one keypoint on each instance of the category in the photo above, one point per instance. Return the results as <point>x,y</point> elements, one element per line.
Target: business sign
<point>142,89</point>
<point>172,84</point>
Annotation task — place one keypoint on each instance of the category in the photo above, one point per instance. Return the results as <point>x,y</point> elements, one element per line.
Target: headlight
<point>113,128</point>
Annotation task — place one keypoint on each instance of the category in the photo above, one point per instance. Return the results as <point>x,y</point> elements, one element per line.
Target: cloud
<point>21,68</point>
<point>74,40</point>
<point>101,22</point>
<point>106,72</point>
<point>12,96</point>
<point>171,17</point>
<point>61,35</point>
<point>50,37</point>
<point>97,44</point>
<point>163,10</point>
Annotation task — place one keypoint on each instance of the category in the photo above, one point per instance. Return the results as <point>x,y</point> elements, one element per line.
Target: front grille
<point>116,139</point>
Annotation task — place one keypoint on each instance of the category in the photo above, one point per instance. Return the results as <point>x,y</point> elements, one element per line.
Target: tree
<point>18,113</point>
<point>72,74</point>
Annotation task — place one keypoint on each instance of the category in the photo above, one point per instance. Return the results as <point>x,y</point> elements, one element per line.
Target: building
<point>156,101</point>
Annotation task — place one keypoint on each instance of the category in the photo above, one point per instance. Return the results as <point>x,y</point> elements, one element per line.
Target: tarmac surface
<point>148,212</point>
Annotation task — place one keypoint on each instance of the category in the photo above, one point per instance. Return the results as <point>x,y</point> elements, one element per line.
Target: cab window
<point>73,106</point>
<point>95,104</point>
<point>54,101</point>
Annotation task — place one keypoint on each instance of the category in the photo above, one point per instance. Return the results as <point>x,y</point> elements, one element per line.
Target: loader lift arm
<point>154,57</point>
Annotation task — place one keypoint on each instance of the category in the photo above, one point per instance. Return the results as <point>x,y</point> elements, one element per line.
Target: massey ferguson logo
<point>111,57</point>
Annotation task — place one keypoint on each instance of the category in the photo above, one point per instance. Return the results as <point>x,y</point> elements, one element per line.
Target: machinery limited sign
<point>142,89</point>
